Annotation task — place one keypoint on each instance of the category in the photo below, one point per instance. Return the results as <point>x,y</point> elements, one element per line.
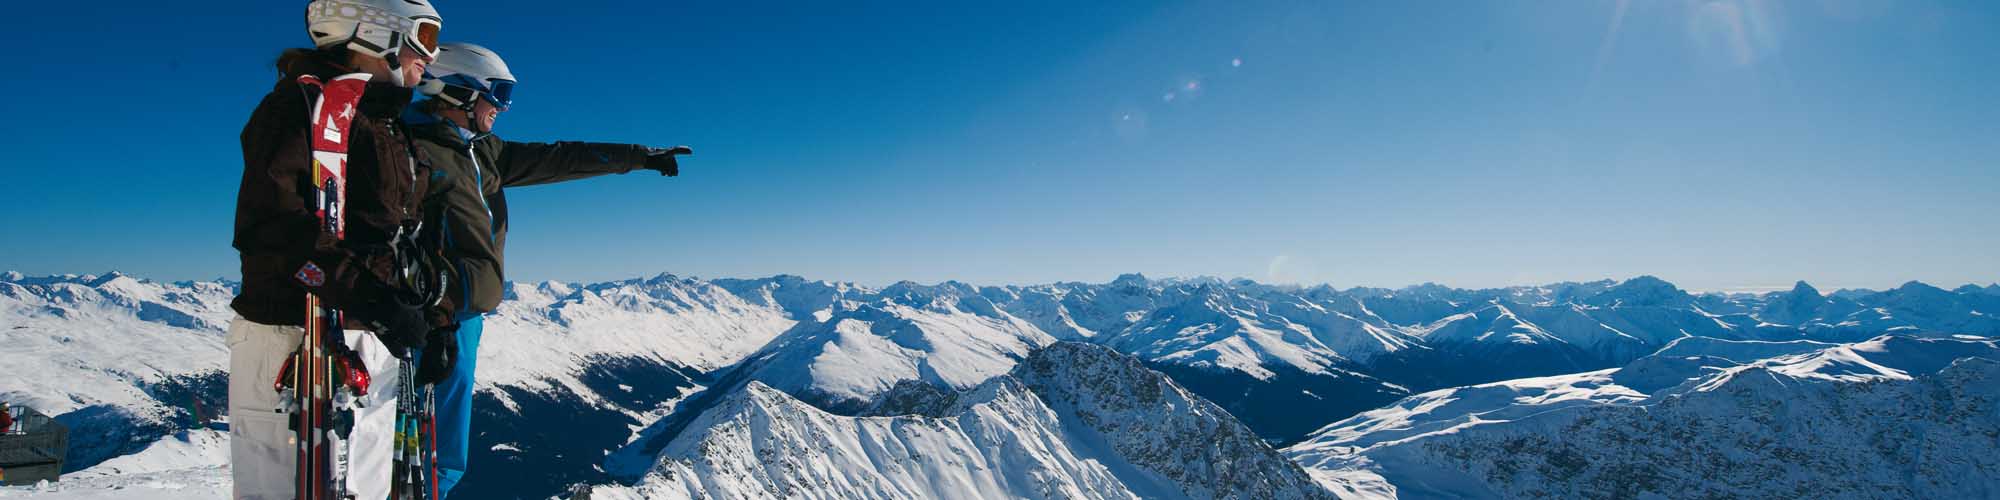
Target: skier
<point>285,255</point>
<point>469,87</point>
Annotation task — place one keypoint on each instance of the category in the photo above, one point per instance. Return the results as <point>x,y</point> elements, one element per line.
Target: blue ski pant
<point>454,406</point>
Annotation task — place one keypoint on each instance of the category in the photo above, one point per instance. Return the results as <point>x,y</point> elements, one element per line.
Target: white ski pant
<point>261,450</point>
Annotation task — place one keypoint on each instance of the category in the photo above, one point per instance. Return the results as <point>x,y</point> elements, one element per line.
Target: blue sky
<point>1716,144</point>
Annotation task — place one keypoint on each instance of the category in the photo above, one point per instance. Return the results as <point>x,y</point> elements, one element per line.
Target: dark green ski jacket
<point>475,208</point>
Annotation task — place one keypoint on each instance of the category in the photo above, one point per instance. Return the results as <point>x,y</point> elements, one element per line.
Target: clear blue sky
<point>1713,143</point>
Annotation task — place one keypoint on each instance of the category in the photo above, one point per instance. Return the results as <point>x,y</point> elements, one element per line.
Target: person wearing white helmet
<point>403,34</point>
<point>278,239</point>
<point>466,91</point>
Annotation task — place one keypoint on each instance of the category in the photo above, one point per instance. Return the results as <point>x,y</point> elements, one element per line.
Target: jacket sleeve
<point>276,227</point>
<point>531,163</point>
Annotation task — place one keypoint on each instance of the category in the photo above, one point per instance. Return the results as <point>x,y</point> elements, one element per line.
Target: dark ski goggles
<point>461,91</point>
<point>500,93</point>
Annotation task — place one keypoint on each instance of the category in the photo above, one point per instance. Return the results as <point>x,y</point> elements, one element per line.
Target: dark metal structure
<point>33,449</point>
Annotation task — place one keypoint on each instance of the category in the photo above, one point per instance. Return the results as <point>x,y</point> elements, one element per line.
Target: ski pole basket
<point>33,449</point>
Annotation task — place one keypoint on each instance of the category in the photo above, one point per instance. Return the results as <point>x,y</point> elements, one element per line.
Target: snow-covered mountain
<point>67,327</point>
<point>1894,417</point>
<point>688,322</point>
<point>861,350</point>
<point>1071,421</point>
<point>131,360</point>
<point>1287,359</point>
<point>1916,307</point>
<point>572,372</point>
<point>567,372</point>
<point>128,363</point>
<point>1281,360</point>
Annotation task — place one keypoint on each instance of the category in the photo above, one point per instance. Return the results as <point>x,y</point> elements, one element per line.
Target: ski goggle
<point>500,93</point>
<point>461,91</point>
<point>424,37</point>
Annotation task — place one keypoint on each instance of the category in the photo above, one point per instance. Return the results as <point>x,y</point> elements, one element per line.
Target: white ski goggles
<point>381,33</point>
<point>424,37</point>
<point>418,34</point>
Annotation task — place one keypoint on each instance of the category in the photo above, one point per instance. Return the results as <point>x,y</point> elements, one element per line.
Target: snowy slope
<point>127,361</point>
<point>912,339</point>
<point>1890,417</point>
<point>762,443</point>
<point>542,334</point>
<point>1281,361</point>
<point>799,298</point>
<point>103,340</point>
<point>190,464</point>
<point>207,483</point>
<point>1917,307</point>
<point>1158,426</point>
<point>1228,329</point>
<point>1289,359</point>
<point>129,358</point>
<point>1072,421</point>
<point>1491,326</point>
<point>1074,311</point>
<point>203,448</point>
<point>1741,351</point>
<point>1802,305</point>
<point>567,372</point>
<point>1642,291</point>
<point>862,350</point>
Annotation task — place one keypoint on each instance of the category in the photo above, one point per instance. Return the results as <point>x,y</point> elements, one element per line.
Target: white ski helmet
<point>464,72</point>
<point>378,28</point>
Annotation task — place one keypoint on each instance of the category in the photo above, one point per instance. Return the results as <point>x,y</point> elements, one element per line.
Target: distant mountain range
<point>1891,417</point>
<point>655,374</point>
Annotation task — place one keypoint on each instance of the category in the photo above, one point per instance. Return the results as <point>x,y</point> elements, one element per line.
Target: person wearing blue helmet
<point>467,89</point>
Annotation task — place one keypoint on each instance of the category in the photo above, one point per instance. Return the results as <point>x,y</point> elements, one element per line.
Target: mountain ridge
<point>1283,360</point>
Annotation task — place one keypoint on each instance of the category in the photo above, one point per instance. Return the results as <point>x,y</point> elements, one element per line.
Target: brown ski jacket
<point>278,235</point>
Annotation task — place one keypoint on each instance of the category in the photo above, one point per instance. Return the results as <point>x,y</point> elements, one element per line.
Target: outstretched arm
<point>531,163</point>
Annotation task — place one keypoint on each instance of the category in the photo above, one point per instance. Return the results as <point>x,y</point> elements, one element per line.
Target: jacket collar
<point>432,128</point>
<point>381,101</point>
<point>384,101</point>
<point>437,129</point>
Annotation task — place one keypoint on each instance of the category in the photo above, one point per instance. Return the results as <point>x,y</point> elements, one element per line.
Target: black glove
<point>662,159</point>
<point>440,356</point>
<point>401,327</point>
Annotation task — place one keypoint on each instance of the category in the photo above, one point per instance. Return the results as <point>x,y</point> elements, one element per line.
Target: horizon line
<point>15,275</point>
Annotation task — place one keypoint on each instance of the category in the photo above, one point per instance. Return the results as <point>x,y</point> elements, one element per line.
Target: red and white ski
<point>323,366</point>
